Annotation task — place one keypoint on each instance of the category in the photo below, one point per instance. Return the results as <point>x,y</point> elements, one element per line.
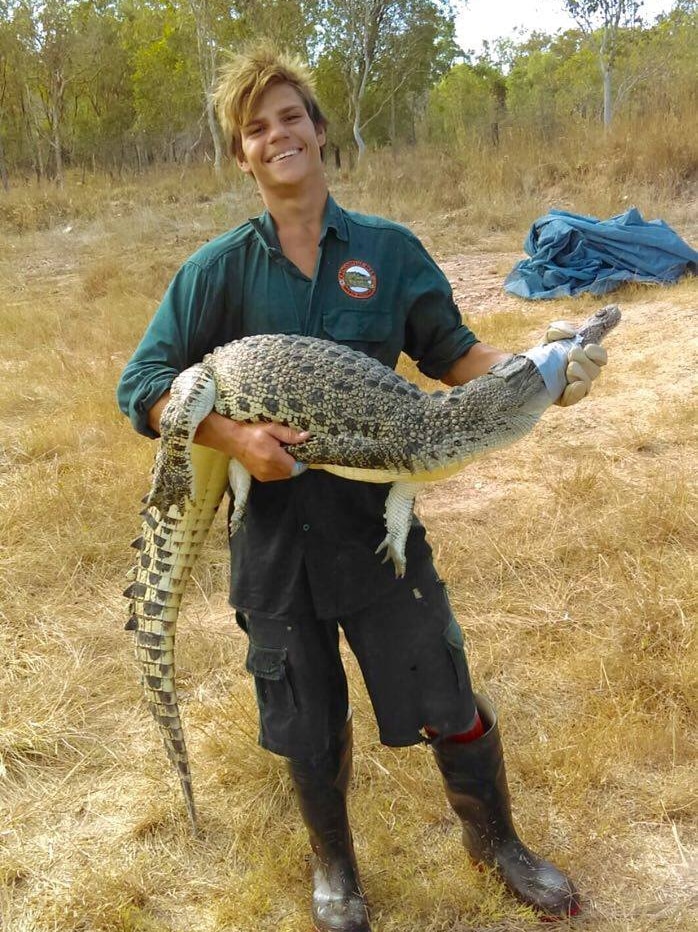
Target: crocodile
<point>366,423</point>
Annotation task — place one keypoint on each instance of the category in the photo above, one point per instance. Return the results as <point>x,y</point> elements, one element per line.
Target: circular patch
<point>357,279</point>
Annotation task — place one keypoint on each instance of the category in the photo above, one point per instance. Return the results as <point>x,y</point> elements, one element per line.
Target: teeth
<point>283,155</point>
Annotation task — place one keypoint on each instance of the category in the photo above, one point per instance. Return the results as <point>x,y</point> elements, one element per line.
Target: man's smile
<point>284,155</point>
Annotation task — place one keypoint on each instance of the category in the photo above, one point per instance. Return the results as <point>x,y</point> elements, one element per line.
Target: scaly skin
<point>367,423</point>
<point>168,548</point>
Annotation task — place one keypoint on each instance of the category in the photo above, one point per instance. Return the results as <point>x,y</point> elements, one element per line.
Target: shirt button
<point>306,527</point>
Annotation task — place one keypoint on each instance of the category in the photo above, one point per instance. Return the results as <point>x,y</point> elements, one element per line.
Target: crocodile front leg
<point>192,396</point>
<point>240,482</point>
<point>399,507</point>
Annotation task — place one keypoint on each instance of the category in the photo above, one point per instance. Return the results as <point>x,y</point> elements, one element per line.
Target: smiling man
<point>303,563</point>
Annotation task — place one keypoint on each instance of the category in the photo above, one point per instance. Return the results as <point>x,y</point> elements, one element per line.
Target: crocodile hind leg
<point>192,396</point>
<point>399,507</point>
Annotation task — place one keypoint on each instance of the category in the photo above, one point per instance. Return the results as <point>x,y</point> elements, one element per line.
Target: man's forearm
<point>155,412</point>
<point>477,361</point>
<point>214,431</point>
<point>258,446</point>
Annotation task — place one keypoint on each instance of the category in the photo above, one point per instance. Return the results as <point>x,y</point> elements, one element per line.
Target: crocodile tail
<point>167,550</point>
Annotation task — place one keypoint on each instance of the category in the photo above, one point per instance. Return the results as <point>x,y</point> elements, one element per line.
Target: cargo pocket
<point>274,691</point>
<point>456,648</point>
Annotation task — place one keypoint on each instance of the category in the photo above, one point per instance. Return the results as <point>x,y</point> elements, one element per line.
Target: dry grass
<point>570,559</point>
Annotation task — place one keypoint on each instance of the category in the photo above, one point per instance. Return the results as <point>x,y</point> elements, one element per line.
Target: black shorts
<point>410,650</point>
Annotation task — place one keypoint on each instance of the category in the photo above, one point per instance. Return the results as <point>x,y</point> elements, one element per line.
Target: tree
<point>203,15</point>
<point>8,63</point>
<point>603,21</point>
<point>460,106</point>
<point>382,46</point>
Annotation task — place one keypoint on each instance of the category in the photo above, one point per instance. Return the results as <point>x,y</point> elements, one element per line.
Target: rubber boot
<point>476,788</point>
<point>321,788</point>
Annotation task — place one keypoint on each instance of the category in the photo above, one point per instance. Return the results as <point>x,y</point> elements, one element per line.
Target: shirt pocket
<point>357,326</point>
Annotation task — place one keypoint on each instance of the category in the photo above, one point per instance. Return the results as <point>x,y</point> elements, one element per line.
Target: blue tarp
<point>570,254</point>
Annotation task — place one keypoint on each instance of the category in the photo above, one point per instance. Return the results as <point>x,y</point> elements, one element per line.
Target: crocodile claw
<point>394,553</point>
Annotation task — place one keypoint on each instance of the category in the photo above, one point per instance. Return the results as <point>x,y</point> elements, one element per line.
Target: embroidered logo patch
<point>357,279</point>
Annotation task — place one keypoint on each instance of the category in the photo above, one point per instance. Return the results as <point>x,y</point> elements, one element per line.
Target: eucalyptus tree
<point>604,22</point>
<point>51,37</point>
<point>381,47</point>
<point>222,25</point>
<point>8,70</point>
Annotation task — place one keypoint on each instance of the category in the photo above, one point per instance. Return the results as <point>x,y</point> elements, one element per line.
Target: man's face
<point>280,143</point>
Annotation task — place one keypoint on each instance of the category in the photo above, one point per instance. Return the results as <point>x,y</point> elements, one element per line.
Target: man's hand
<point>584,363</point>
<point>259,446</point>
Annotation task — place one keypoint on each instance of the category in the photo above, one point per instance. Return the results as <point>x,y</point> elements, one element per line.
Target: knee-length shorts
<point>411,654</point>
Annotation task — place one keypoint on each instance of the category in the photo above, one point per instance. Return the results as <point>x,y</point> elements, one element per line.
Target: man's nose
<point>277,130</point>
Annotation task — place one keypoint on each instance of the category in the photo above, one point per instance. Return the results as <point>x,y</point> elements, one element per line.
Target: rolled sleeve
<point>435,335</point>
<point>171,343</point>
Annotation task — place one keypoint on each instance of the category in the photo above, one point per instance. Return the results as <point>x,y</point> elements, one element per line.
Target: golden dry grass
<point>570,559</point>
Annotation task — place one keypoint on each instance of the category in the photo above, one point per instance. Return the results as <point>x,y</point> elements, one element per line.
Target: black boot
<point>476,788</point>
<point>321,788</point>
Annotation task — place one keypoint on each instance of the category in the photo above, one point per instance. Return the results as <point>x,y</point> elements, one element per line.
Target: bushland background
<point>570,556</point>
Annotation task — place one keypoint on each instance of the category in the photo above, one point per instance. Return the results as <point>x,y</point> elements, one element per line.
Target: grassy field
<point>570,558</point>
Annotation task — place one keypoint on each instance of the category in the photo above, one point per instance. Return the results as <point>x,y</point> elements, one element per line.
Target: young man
<point>304,563</point>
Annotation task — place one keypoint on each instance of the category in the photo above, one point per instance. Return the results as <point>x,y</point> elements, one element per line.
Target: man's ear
<point>243,164</point>
<point>321,134</point>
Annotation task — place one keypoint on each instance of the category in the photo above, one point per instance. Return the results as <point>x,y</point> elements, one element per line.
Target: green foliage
<point>461,105</point>
<point>166,84</point>
<point>119,84</point>
<point>378,60</point>
<point>553,81</point>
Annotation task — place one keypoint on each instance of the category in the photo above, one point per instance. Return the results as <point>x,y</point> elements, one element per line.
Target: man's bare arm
<point>584,363</point>
<point>259,447</point>
<point>477,361</point>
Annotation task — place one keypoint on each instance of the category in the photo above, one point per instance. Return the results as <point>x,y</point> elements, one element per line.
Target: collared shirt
<point>307,543</point>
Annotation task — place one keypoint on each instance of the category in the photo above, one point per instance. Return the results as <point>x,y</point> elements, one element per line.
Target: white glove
<point>583,363</point>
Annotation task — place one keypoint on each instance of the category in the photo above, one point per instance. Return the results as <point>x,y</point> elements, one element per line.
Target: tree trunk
<point>607,96</point>
<point>499,94</point>
<point>216,136</point>
<point>393,133</point>
<point>4,178</point>
<point>32,134</point>
<point>356,130</point>
<point>57,150</point>
<point>206,51</point>
<point>57,92</point>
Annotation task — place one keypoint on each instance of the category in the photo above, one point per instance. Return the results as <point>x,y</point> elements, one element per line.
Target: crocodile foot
<point>395,551</point>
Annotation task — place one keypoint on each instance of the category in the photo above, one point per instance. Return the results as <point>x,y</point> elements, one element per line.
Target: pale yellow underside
<point>207,462</point>
<point>387,475</point>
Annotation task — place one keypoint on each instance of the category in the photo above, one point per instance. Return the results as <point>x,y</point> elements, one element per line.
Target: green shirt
<point>307,544</point>
<point>375,288</point>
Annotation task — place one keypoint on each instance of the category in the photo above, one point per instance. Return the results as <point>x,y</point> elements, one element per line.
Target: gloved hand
<point>583,366</point>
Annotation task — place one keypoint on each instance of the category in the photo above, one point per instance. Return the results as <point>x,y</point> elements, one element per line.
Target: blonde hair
<point>246,76</point>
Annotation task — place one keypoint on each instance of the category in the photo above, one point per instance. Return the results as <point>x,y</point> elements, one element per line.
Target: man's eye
<point>254,130</point>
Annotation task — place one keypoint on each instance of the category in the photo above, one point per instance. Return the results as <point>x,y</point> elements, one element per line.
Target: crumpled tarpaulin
<point>571,253</point>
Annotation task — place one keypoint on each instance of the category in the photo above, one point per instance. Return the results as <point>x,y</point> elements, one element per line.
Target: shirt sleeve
<point>435,335</point>
<point>171,343</point>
